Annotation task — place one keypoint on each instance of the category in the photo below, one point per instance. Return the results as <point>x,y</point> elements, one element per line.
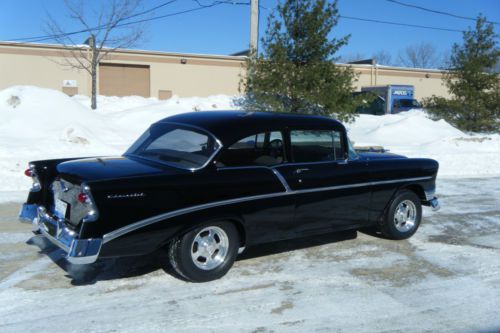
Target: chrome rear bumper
<point>78,251</point>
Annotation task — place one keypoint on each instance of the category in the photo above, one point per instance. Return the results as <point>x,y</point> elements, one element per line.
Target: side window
<point>316,146</point>
<point>250,142</point>
<point>265,149</point>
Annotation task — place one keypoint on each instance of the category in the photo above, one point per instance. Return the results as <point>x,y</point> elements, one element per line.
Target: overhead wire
<point>437,11</point>
<point>202,6</point>
<point>399,23</point>
<point>98,28</point>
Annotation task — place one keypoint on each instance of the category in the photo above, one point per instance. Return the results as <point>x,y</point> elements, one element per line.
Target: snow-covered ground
<point>446,278</point>
<point>41,123</point>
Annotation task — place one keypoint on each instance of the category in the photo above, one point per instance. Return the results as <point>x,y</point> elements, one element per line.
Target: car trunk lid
<point>101,168</point>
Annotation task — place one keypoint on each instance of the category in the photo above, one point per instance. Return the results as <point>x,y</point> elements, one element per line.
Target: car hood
<point>100,168</point>
<point>379,156</point>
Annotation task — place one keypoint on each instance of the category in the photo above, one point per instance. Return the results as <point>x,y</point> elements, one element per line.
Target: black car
<point>205,185</point>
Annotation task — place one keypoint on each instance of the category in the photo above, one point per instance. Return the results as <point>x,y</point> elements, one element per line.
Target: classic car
<point>206,185</point>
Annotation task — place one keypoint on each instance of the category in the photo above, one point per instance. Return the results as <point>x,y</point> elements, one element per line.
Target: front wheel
<point>205,253</point>
<point>403,216</point>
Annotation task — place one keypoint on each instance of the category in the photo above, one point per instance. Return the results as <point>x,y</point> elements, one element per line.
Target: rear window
<point>175,145</point>
<point>316,145</point>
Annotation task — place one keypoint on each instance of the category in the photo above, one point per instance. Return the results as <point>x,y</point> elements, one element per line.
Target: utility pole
<point>254,27</point>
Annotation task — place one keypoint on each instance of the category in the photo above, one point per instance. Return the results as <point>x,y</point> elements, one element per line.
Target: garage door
<point>124,80</point>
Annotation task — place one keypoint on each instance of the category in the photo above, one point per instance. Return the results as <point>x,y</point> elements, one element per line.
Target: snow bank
<point>414,135</point>
<point>41,123</point>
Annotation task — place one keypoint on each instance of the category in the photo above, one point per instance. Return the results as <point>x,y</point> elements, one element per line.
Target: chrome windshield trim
<point>161,217</point>
<point>209,159</point>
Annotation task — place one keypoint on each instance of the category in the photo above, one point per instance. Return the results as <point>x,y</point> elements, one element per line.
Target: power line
<point>200,7</point>
<point>45,37</point>
<point>437,11</point>
<point>399,24</point>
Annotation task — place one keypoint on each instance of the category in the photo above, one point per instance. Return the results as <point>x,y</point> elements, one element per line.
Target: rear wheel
<point>403,216</point>
<point>205,253</point>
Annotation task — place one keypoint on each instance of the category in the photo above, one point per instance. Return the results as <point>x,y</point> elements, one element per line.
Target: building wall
<point>426,82</point>
<point>183,75</point>
<point>38,67</point>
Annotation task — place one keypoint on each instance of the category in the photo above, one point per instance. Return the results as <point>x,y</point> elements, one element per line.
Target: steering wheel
<point>276,143</point>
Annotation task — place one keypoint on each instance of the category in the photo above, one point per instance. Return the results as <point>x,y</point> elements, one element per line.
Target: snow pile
<point>414,135</point>
<point>41,123</point>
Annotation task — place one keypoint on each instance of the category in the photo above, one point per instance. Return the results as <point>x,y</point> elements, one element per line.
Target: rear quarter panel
<point>166,194</point>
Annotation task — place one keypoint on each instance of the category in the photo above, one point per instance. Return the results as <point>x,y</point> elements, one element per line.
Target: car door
<point>332,192</point>
<point>247,168</point>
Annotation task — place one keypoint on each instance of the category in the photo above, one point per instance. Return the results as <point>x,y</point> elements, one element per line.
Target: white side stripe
<point>140,224</point>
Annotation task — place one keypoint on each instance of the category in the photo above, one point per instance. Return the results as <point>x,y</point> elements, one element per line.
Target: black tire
<point>181,252</point>
<point>393,224</point>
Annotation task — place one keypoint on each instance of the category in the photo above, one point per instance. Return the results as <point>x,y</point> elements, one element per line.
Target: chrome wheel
<point>405,216</point>
<point>209,248</point>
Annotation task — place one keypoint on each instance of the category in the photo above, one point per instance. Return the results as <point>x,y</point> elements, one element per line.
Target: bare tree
<point>421,55</point>
<point>383,57</point>
<point>107,29</point>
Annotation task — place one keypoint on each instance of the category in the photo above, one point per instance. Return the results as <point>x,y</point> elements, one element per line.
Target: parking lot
<point>444,279</point>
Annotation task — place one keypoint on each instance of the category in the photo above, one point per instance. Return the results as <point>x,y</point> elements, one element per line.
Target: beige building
<point>162,74</point>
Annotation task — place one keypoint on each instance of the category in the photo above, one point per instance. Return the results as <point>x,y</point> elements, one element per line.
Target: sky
<point>225,29</point>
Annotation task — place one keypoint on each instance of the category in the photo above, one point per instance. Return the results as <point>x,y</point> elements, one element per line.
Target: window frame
<point>138,144</point>
<point>343,158</point>
<point>284,138</point>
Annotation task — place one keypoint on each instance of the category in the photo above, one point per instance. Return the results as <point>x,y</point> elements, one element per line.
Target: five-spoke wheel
<point>205,253</point>
<point>403,216</point>
<point>209,248</point>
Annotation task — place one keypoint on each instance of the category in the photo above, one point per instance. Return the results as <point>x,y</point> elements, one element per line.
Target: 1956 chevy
<point>205,185</point>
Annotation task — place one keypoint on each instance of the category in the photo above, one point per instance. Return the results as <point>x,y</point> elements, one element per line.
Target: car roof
<point>230,126</point>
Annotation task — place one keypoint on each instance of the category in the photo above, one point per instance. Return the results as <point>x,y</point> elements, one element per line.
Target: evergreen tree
<point>296,71</point>
<point>472,81</point>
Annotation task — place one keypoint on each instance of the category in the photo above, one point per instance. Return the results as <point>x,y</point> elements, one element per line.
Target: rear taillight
<point>31,172</point>
<point>82,198</point>
<point>85,197</point>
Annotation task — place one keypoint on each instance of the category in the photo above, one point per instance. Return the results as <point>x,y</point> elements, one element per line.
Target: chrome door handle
<point>299,171</point>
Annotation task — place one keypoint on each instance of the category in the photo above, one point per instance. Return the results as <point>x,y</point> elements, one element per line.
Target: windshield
<point>177,145</point>
<point>409,103</point>
<point>352,152</point>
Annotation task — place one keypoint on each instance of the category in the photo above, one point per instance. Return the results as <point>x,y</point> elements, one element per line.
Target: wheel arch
<point>413,187</point>
<point>192,223</point>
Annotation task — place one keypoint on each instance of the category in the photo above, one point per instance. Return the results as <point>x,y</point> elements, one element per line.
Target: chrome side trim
<point>273,169</point>
<point>282,180</point>
<point>142,223</point>
<point>137,225</point>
